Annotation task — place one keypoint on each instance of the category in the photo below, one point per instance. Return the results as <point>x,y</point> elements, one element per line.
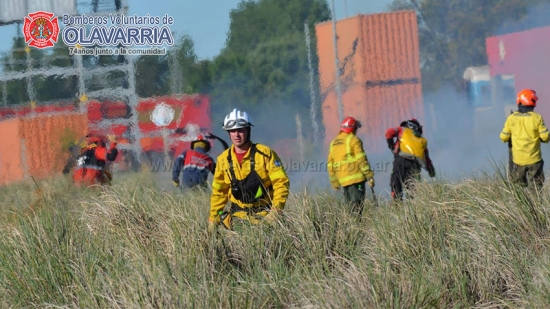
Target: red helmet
<point>349,125</point>
<point>527,97</point>
<point>200,139</point>
<point>94,139</point>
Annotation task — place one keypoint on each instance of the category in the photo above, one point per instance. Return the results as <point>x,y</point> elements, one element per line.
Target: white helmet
<point>236,119</point>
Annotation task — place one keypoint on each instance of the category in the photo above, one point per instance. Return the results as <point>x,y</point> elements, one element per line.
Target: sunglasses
<point>412,126</point>
<point>239,123</point>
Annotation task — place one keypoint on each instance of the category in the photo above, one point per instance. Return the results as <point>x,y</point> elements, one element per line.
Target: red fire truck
<point>190,117</point>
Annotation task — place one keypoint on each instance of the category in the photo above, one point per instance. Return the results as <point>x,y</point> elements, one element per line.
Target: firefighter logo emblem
<point>162,115</point>
<point>41,29</point>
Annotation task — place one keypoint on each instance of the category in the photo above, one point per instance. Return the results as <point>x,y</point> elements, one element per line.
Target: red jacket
<point>90,165</point>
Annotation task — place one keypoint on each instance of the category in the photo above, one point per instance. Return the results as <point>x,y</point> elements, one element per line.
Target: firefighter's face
<point>238,136</point>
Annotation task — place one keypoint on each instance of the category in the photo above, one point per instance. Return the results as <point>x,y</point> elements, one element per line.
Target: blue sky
<point>207,21</point>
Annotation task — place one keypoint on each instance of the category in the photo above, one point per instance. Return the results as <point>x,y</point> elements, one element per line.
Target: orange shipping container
<point>36,145</point>
<point>380,80</point>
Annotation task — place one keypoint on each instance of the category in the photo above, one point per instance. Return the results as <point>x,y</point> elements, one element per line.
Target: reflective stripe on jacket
<point>269,167</point>
<point>526,130</point>
<point>347,162</point>
<point>90,167</point>
<point>195,164</point>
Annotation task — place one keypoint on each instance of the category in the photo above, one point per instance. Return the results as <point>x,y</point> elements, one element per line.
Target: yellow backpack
<point>410,144</point>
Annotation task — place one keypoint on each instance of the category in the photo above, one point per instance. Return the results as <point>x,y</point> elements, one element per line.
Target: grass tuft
<point>480,242</point>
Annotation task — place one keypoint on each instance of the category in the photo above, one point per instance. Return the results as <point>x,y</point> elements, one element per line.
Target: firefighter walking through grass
<point>249,176</point>
<point>195,164</point>
<point>348,166</point>
<point>411,154</point>
<point>526,129</point>
<point>91,163</point>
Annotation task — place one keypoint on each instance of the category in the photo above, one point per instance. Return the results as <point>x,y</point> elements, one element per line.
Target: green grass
<point>476,243</point>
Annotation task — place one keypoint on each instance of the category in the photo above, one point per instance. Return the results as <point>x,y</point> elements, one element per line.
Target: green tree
<point>452,33</point>
<point>177,72</point>
<point>19,59</point>
<point>56,87</point>
<point>201,79</point>
<point>264,63</point>
<point>151,76</point>
<point>184,65</point>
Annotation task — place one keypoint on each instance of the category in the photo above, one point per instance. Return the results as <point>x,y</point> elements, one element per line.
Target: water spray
<point>313,109</point>
<point>176,78</point>
<point>5,93</point>
<point>300,137</point>
<point>337,65</point>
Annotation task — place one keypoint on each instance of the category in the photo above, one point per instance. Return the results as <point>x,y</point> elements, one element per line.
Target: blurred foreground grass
<point>477,243</point>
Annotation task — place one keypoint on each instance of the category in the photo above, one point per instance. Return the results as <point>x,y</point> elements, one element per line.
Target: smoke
<point>535,71</point>
<point>536,16</point>
<point>463,142</point>
<point>305,162</point>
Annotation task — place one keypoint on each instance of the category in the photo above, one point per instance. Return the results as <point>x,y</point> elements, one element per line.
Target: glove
<point>271,217</point>
<point>371,182</point>
<point>225,220</point>
<point>431,172</point>
<point>211,227</point>
<point>390,143</point>
<point>176,183</point>
<point>112,138</point>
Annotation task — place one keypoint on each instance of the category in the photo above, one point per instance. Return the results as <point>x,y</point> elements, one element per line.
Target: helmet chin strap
<point>249,129</point>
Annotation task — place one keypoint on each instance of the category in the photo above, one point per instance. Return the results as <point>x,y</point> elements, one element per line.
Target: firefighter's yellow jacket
<point>269,167</point>
<point>526,130</point>
<point>347,162</point>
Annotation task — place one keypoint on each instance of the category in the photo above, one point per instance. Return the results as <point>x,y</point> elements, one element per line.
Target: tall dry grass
<point>476,243</point>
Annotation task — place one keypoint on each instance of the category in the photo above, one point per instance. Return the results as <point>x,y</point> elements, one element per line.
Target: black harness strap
<point>253,151</point>
<point>246,190</point>
<point>252,161</point>
<point>249,210</point>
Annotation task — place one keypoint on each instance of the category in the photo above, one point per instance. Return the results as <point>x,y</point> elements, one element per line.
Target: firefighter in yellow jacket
<point>348,166</point>
<point>526,130</point>
<point>249,176</point>
<point>410,155</point>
